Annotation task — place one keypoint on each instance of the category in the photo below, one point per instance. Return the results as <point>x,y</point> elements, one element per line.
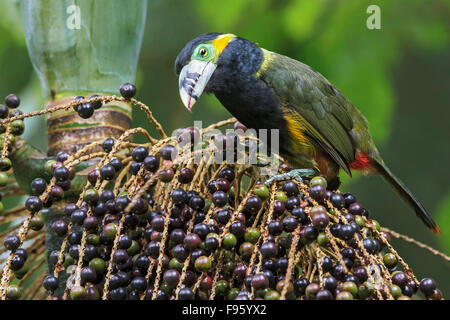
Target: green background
<point>398,76</point>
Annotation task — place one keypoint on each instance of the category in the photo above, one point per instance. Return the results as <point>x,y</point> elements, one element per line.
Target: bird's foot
<point>296,174</point>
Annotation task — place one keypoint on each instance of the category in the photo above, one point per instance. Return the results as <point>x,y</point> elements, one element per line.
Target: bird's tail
<point>406,194</point>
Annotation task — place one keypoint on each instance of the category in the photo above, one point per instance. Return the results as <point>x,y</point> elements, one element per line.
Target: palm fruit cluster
<point>153,224</point>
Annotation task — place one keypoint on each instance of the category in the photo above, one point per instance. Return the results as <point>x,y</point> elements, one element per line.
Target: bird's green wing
<point>310,99</point>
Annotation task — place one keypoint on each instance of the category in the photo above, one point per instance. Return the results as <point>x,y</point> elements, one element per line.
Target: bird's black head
<point>213,62</point>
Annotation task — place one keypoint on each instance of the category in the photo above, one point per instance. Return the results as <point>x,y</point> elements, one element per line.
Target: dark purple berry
<point>220,198</point>
<point>300,285</point>
<point>116,163</point>
<point>320,220</point>
<point>11,242</point>
<point>120,256</point>
<point>51,283</point>
<point>324,295</point>
<point>168,152</point>
<point>107,172</point>
<point>60,227</point>
<point>290,223</point>
<point>85,110</point>
<point>95,104</point>
<point>427,286</point>
<point>186,294</point>
<point>88,274</point>
<point>38,186</point>
<point>17,263</point>
<point>12,101</point>
<point>278,207</point>
<point>77,217</point>
<point>290,188</point>
<point>259,281</point>
<point>127,90</point>
<point>292,203</point>
<point>3,111</point>
<point>269,250</point>
<point>192,241</point>
<point>317,192</point>
<point>355,208</point>
<point>349,199</point>
<point>139,153</point>
<point>227,173</point>
<point>197,203</point>
<point>253,204</point>
<point>33,204</point>
<point>186,175</point>
<point>108,144</point>
<point>337,200</point>
<point>135,167</point>
<point>151,163</point>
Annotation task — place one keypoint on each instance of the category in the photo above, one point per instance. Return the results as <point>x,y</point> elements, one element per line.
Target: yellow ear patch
<point>267,60</point>
<point>221,42</point>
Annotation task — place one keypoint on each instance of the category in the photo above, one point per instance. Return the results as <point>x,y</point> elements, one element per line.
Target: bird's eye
<point>203,52</point>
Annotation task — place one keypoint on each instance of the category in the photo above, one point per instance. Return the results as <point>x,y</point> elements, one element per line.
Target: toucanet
<point>319,128</point>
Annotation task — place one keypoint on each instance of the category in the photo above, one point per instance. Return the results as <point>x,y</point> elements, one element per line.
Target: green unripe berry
<point>233,293</point>
<point>48,166</point>
<point>396,291</point>
<point>376,224</point>
<point>252,235</point>
<point>37,222</point>
<point>390,260</point>
<point>134,233</point>
<point>281,196</point>
<point>68,260</point>
<point>98,265</point>
<point>227,254</point>
<point>222,287</point>
<point>78,293</point>
<point>204,144</point>
<point>91,196</point>
<point>318,180</point>
<point>229,241</point>
<point>93,239</point>
<point>11,139</point>
<point>344,295</point>
<point>110,231</point>
<point>322,239</point>
<point>203,264</point>
<point>5,164</point>
<point>3,179</point>
<point>261,293</point>
<point>13,292</point>
<point>212,235</point>
<point>175,264</point>
<point>363,292</point>
<point>351,287</point>
<point>261,191</point>
<point>134,248</point>
<point>360,221</point>
<point>166,288</point>
<point>17,127</point>
<point>272,295</point>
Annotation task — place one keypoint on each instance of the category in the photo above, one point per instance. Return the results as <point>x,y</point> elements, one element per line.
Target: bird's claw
<point>296,174</point>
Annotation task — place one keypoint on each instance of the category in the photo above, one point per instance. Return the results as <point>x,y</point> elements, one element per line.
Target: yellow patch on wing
<point>267,60</point>
<point>221,42</point>
<point>296,126</point>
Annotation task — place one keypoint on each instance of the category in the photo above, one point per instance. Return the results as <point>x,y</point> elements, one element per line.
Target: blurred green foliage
<point>398,76</point>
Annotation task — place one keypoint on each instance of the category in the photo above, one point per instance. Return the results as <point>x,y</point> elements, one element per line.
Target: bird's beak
<point>193,79</point>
